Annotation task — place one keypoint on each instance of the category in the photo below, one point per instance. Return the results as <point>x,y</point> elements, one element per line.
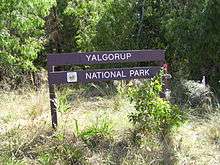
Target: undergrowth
<point>26,136</point>
<point>96,132</point>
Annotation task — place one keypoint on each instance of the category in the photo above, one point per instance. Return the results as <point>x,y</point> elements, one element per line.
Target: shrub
<point>195,96</point>
<point>153,113</point>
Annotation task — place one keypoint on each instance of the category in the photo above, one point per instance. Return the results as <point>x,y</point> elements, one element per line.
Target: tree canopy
<point>21,33</point>
<point>188,31</point>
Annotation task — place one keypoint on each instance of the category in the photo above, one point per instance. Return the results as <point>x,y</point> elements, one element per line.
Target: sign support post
<point>53,102</point>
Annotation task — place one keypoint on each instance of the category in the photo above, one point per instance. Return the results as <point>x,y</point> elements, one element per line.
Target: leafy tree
<point>188,30</point>
<point>118,25</point>
<point>193,38</point>
<point>61,28</point>
<point>21,34</point>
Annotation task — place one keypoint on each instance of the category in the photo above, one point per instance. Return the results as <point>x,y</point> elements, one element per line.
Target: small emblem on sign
<point>71,77</point>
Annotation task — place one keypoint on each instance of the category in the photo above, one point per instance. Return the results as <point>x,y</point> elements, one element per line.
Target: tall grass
<point>104,134</point>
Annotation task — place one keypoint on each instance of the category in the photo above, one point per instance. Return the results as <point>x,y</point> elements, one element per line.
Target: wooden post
<point>53,102</point>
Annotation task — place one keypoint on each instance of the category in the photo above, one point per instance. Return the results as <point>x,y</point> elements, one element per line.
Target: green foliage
<point>21,34</point>
<point>18,148</point>
<point>62,28</point>
<point>10,161</point>
<point>61,152</point>
<point>188,30</point>
<point>64,97</point>
<point>193,35</point>
<point>153,113</point>
<point>117,25</point>
<point>66,153</point>
<point>100,128</point>
<point>88,14</point>
<point>92,134</point>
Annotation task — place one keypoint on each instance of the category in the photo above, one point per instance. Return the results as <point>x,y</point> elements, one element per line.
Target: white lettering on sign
<point>71,77</point>
<point>105,75</point>
<point>88,57</point>
<point>141,72</point>
<point>108,57</point>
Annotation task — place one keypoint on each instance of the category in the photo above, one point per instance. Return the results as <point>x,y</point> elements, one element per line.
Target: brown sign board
<point>105,57</point>
<point>87,76</point>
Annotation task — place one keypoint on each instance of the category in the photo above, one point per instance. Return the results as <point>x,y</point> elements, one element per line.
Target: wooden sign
<point>86,76</point>
<point>106,57</point>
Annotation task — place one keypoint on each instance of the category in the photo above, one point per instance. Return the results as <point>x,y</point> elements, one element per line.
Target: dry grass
<point>198,142</point>
<point>19,109</point>
<point>26,136</point>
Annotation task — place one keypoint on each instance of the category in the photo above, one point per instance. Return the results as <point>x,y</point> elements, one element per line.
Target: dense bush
<point>21,35</point>
<point>187,30</point>
<point>153,113</point>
